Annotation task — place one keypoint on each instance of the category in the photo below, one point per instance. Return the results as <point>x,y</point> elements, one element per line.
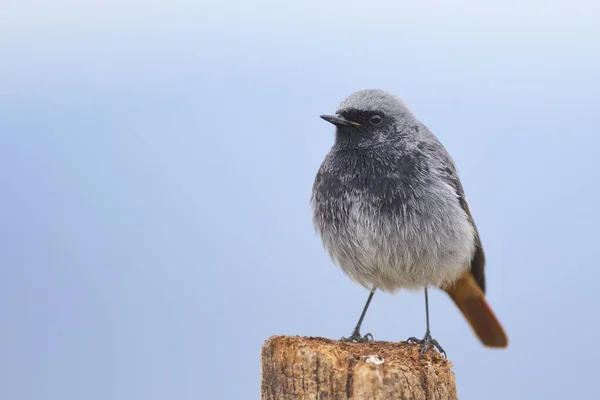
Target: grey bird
<point>392,213</point>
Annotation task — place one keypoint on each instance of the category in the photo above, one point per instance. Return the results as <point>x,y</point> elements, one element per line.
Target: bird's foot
<point>426,343</point>
<point>357,338</point>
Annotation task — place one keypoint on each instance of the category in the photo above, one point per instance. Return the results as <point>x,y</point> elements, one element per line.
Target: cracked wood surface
<point>295,368</point>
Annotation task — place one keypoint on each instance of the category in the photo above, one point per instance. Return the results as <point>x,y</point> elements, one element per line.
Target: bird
<point>391,211</point>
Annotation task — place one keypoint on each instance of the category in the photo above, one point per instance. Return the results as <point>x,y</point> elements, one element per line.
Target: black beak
<point>338,120</point>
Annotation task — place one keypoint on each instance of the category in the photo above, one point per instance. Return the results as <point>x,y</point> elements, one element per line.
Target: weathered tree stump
<point>295,368</point>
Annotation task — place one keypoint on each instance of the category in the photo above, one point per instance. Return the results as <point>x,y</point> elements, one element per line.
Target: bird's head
<point>369,115</point>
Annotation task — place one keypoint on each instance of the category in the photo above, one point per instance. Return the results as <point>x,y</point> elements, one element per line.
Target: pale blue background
<point>156,162</point>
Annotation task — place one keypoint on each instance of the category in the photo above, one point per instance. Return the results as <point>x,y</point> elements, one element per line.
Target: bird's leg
<point>427,341</point>
<point>356,336</point>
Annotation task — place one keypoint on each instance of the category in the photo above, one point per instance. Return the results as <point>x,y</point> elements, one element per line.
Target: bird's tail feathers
<point>470,299</point>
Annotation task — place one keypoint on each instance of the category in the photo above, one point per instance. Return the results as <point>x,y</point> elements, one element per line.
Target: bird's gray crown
<point>373,100</point>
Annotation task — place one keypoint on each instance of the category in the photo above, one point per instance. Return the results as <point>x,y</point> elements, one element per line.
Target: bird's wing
<point>478,260</point>
<point>468,291</point>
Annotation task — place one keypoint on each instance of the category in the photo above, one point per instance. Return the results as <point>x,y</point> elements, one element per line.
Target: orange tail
<point>470,299</point>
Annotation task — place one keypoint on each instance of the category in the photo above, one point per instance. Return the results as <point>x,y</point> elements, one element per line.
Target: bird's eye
<point>376,119</point>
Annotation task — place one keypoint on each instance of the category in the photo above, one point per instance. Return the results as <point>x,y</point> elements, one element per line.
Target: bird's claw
<point>357,338</point>
<point>426,343</point>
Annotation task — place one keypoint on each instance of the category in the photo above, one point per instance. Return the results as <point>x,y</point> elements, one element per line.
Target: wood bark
<point>295,368</point>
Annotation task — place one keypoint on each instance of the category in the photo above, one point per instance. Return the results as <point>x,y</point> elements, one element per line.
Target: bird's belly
<point>391,251</point>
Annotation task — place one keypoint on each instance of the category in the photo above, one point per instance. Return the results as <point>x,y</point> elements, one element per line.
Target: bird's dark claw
<point>426,343</point>
<point>357,338</point>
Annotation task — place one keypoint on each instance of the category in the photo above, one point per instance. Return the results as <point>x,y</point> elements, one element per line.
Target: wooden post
<point>295,368</point>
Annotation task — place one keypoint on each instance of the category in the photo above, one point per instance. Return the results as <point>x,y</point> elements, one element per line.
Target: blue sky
<point>156,162</point>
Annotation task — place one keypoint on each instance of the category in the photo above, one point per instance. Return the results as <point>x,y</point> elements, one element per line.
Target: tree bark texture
<point>295,368</point>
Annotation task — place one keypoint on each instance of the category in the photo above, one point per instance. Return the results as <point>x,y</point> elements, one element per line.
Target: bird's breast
<point>390,224</point>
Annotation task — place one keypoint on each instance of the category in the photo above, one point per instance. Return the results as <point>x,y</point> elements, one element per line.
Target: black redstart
<point>391,211</point>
